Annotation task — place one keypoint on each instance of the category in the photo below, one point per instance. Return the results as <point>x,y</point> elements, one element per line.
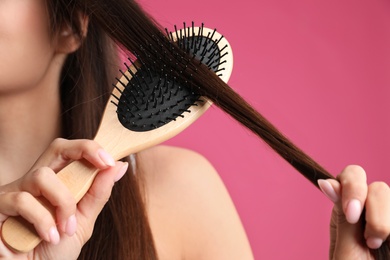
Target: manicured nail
<point>71,225</point>
<point>353,211</point>
<point>328,190</point>
<point>54,236</point>
<point>106,158</point>
<point>121,172</point>
<point>374,242</point>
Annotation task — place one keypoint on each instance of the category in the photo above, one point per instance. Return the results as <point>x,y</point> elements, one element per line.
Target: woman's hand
<point>64,234</point>
<point>350,238</point>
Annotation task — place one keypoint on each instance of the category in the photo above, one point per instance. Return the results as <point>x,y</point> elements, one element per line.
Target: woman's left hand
<point>350,238</point>
<point>64,233</point>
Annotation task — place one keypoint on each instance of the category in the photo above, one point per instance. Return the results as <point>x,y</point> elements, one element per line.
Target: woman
<point>172,205</point>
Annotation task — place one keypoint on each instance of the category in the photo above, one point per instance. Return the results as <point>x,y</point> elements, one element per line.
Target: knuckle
<point>378,187</point>
<point>350,186</point>
<point>88,232</point>
<point>85,233</point>
<point>89,145</point>
<point>354,170</point>
<point>21,199</point>
<point>68,203</point>
<point>102,199</point>
<point>381,229</point>
<point>85,142</point>
<point>99,199</point>
<point>81,147</point>
<point>56,146</point>
<point>46,219</point>
<point>41,174</point>
<point>353,178</point>
<point>104,196</point>
<point>38,179</point>
<point>58,142</point>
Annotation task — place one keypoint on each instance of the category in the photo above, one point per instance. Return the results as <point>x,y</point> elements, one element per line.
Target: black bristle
<point>124,75</point>
<point>119,81</point>
<point>117,98</point>
<point>153,95</point>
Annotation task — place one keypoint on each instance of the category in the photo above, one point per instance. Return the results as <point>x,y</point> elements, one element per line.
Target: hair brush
<point>146,107</point>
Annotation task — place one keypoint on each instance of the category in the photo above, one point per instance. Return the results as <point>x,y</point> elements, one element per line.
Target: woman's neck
<point>29,121</point>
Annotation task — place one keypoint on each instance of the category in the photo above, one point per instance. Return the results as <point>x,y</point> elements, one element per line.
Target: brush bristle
<point>203,47</point>
<point>150,98</point>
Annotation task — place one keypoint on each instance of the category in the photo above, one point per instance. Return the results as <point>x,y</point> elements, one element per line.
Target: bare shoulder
<point>190,210</point>
<point>167,165</point>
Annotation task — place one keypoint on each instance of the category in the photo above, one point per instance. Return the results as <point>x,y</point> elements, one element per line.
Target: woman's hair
<point>122,230</point>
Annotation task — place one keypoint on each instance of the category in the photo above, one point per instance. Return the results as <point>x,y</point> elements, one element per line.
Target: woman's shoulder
<point>168,171</point>
<point>171,171</point>
<point>170,164</point>
<point>190,211</point>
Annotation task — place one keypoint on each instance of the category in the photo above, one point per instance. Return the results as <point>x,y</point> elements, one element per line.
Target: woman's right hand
<point>351,238</point>
<point>65,233</point>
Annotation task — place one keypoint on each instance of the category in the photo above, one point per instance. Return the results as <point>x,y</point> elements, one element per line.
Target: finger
<point>331,189</point>
<point>44,182</point>
<point>97,196</point>
<point>25,205</point>
<point>377,214</point>
<point>344,235</point>
<point>353,181</point>
<point>62,151</point>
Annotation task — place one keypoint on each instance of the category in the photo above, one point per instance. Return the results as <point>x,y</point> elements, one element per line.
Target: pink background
<point>319,71</point>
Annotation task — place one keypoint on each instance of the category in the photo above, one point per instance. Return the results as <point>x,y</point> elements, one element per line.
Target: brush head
<point>150,97</point>
<point>150,100</point>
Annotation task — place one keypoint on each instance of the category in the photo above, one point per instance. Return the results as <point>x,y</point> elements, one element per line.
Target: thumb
<point>97,196</point>
<point>345,237</point>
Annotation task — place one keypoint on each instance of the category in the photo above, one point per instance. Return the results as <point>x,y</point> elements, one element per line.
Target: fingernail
<point>106,158</point>
<point>374,242</point>
<point>54,236</point>
<point>353,211</point>
<point>121,172</point>
<point>71,225</point>
<point>328,190</point>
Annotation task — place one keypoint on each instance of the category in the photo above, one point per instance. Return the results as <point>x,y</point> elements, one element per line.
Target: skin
<point>350,239</point>
<point>202,221</point>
